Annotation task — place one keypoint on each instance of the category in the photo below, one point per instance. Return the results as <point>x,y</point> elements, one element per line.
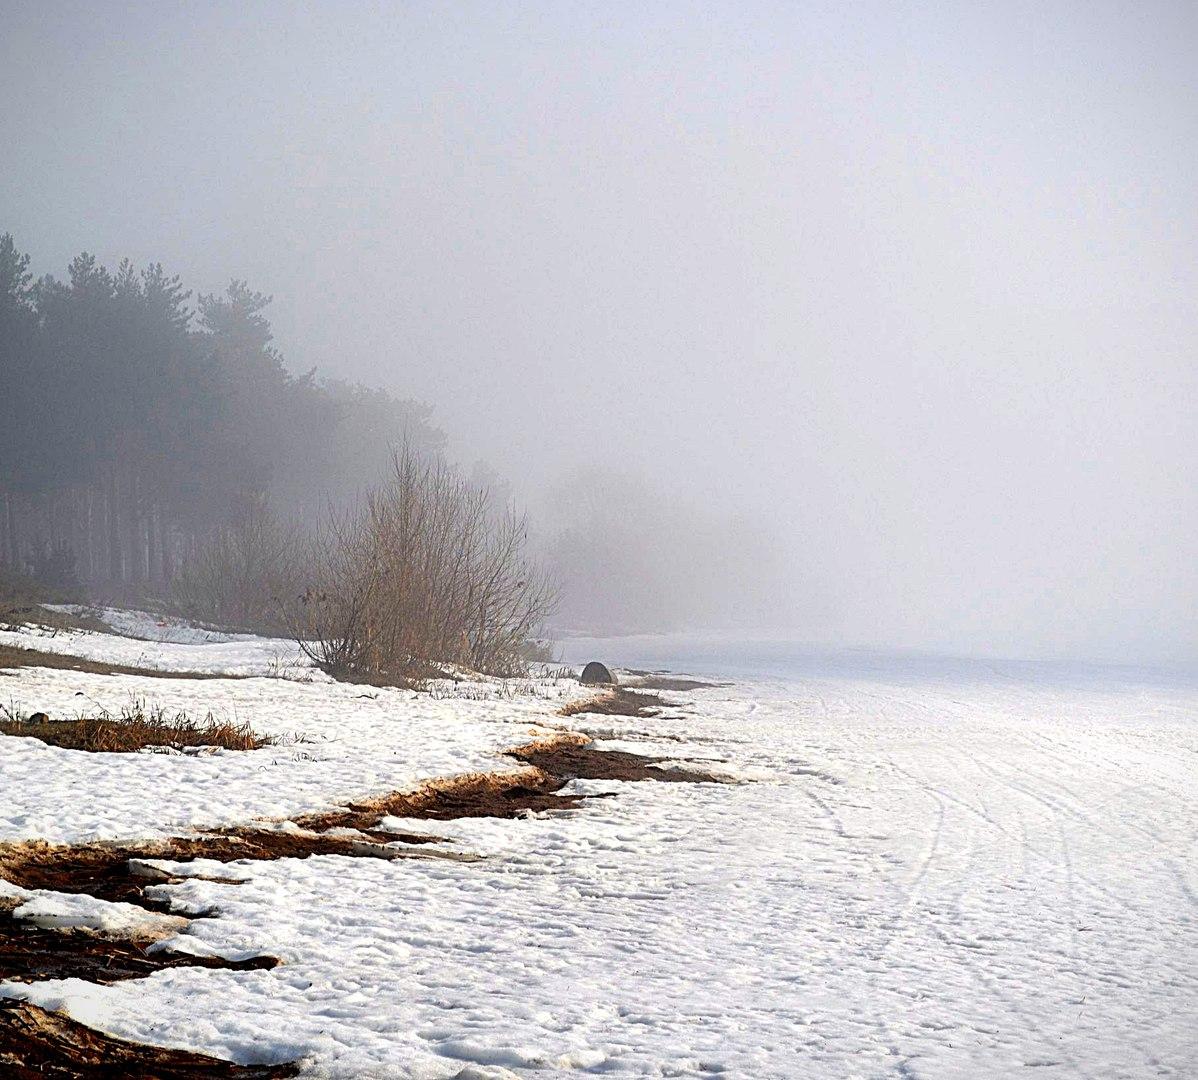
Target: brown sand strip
<point>499,795</point>
<point>673,682</point>
<point>103,870</point>
<point>13,657</point>
<point>40,1045</point>
<point>28,953</point>
<point>37,1044</point>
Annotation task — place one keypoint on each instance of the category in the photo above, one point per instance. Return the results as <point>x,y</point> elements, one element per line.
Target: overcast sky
<point>914,286</point>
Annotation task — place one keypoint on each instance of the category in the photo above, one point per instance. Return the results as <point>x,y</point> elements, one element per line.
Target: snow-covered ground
<point>938,871</point>
<point>336,741</point>
<point>143,640</point>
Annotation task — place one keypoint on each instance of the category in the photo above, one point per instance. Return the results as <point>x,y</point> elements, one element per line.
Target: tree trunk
<point>89,546</point>
<point>166,539</point>
<point>115,568</point>
<point>14,546</point>
<point>133,531</point>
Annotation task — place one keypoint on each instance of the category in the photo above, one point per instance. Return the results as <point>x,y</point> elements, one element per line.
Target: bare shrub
<point>428,572</point>
<point>241,574</point>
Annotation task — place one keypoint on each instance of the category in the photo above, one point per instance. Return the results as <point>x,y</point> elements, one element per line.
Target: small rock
<point>596,674</point>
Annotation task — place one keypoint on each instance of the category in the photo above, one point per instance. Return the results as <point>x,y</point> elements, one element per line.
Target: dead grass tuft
<point>137,728</point>
<point>617,702</point>
<point>502,795</point>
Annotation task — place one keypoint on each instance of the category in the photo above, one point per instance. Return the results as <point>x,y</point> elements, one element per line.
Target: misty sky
<point>914,287</point>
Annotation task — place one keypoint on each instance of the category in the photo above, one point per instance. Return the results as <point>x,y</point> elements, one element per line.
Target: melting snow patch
<point>64,911</point>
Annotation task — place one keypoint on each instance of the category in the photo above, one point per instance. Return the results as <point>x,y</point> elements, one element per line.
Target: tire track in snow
<point>1066,861</point>
<point>910,923</point>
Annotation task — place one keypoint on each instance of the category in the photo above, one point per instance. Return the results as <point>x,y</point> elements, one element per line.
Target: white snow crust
<point>956,876</point>
<point>67,911</point>
<point>144,640</point>
<point>337,742</point>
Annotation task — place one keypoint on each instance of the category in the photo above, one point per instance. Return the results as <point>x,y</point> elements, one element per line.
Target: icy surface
<point>959,874</point>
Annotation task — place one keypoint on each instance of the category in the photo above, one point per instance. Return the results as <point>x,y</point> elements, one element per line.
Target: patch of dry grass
<point>617,702</point>
<point>136,728</point>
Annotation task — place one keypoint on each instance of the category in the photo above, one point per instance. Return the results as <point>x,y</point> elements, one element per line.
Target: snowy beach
<point>917,870</point>
<point>636,541</point>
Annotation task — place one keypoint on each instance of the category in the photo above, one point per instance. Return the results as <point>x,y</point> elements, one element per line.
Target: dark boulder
<point>596,674</point>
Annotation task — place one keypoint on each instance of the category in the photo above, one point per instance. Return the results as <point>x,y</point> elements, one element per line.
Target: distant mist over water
<point>873,324</point>
<point>764,658</point>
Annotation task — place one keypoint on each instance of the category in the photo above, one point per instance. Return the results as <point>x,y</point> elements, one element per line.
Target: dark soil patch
<point>13,657</point>
<point>617,702</point>
<point>37,1045</point>
<point>586,763</point>
<point>29,952</point>
<point>103,870</point>
<point>672,682</point>
<point>99,870</point>
<point>470,796</point>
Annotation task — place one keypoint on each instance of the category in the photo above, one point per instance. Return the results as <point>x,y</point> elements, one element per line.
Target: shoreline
<point>930,867</point>
<point>101,938</point>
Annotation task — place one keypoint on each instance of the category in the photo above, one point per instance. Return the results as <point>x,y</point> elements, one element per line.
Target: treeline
<point>136,425</point>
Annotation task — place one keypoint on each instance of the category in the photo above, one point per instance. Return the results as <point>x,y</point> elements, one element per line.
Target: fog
<point>871,325</point>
